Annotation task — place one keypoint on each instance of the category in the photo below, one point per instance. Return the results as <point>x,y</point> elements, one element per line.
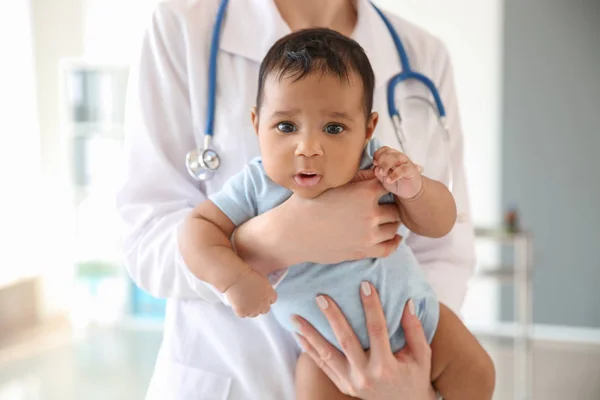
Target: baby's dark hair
<point>318,49</point>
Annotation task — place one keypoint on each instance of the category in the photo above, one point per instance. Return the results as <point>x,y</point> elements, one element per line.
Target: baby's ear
<point>254,116</point>
<point>371,124</point>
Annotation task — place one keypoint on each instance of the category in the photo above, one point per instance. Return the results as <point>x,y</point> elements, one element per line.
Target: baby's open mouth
<point>307,178</point>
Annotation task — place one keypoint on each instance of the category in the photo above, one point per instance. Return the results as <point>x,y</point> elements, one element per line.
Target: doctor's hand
<point>376,374</point>
<point>251,295</point>
<point>344,223</point>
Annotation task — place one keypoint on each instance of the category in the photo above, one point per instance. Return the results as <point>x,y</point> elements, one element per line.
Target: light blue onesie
<point>397,278</point>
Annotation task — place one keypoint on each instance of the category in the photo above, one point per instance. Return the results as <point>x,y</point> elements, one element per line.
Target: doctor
<point>208,352</point>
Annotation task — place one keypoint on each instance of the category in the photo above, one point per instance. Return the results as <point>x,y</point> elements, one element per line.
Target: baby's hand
<point>251,295</point>
<point>397,173</point>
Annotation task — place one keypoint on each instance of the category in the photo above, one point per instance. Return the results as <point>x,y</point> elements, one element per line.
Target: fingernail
<point>411,307</point>
<point>322,302</point>
<point>366,288</point>
<point>296,323</point>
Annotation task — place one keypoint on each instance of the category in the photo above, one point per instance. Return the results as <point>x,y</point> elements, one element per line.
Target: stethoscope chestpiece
<point>202,163</point>
<point>211,159</point>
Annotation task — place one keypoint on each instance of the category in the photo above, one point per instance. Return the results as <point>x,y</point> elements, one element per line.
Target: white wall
<point>126,18</point>
<point>98,30</point>
<point>550,144</point>
<point>19,144</point>
<point>472,30</point>
<point>57,34</point>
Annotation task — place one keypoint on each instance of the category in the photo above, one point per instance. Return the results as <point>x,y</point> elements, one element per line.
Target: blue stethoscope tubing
<point>202,163</point>
<point>406,74</point>
<point>212,70</point>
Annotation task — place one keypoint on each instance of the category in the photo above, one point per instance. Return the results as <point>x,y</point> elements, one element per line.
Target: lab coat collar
<point>251,27</point>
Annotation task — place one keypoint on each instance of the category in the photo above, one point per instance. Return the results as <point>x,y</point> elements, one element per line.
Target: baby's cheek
<point>276,172</point>
<point>272,173</point>
<point>346,172</point>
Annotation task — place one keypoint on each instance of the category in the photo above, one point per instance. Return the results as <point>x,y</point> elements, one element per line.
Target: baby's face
<point>312,132</point>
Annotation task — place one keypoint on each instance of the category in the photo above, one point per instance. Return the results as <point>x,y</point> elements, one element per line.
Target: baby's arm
<point>432,212</point>
<point>426,206</point>
<point>207,251</point>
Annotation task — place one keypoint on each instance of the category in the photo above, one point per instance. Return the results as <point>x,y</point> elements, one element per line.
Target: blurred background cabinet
<point>93,122</point>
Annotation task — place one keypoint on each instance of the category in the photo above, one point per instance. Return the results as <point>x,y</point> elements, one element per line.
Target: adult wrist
<point>261,242</point>
<point>281,232</point>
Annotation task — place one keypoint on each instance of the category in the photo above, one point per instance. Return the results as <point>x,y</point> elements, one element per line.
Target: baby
<point>314,123</point>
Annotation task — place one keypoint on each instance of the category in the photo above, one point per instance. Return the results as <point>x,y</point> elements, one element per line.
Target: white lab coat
<point>207,352</point>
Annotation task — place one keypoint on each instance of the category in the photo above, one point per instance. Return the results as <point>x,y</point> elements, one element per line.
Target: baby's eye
<point>334,129</point>
<point>286,127</point>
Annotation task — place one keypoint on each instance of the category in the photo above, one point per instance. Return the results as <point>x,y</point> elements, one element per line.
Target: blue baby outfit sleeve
<point>238,196</point>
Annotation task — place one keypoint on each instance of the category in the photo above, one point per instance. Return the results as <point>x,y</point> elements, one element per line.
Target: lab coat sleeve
<point>449,262</point>
<point>157,192</point>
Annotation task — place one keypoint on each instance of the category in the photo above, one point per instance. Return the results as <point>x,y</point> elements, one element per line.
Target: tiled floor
<point>561,371</point>
<point>108,364</point>
<point>117,364</point>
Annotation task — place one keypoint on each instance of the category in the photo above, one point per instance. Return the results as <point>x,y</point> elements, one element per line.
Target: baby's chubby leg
<point>313,384</point>
<point>460,367</point>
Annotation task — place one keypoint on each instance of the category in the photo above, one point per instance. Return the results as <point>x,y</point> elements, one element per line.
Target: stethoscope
<point>203,163</point>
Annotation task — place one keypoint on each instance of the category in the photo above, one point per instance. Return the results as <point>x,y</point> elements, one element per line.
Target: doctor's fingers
<point>327,357</point>
<point>376,324</point>
<point>387,231</point>
<point>386,213</point>
<point>314,355</point>
<point>369,190</point>
<point>343,332</point>
<point>417,347</point>
<point>384,249</point>
<point>363,175</point>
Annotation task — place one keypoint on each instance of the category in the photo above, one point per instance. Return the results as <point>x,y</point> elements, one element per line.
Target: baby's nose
<point>309,147</point>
